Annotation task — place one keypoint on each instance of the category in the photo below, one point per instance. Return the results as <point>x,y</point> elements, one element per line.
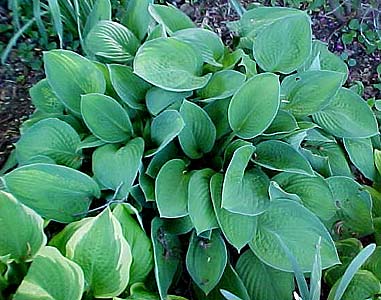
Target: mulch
<point>16,77</point>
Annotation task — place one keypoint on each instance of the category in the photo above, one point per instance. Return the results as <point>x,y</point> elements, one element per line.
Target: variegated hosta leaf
<point>21,230</point>
<point>112,41</point>
<point>51,276</point>
<point>71,75</point>
<point>53,138</point>
<point>103,253</point>
<point>281,37</point>
<point>170,64</point>
<point>140,243</point>
<point>55,192</point>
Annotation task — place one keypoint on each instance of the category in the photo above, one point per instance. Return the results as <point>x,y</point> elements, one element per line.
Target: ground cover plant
<point>164,163</point>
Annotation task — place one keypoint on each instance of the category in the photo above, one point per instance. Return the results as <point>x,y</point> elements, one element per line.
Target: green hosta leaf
<point>139,292</point>
<point>116,168</point>
<point>90,141</point>
<point>21,230</point>
<point>280,156</point>
<point>276,192</point>
<point>347,249</point>
<point>301,227</point>
<point>262,281</point>
<point>338,165</point>
<point>238,229</point>
<point>284,122</point>
<point>55,192</point>
<point>355,204</point>
<point>101,10</point>
<point>104,255</point>
<point>171,189</point>
<point>249,65</point>
<point>158,99</point>
<point>360,152</point>
<point>364,285</point>
<point>281,37</point>
<point>166,249</point>
<point>129,87</point>
<point>171,18</point>
<point>232,147</point>
<point>218,113</point>
<point>164,128</point>
<point>200,202</point>
<point>199,133</point>
<point>53,138</point>
<point>52,276</point>
<point>71,75</point>
<point>112,41</point>
<point>170,64</point>
<point>308,92</point>
<point>254,106</point>
<point>327,59</point>
<point>44,99</point>
<point>314,193</point>
<point>137,17</point>
<point>206,260</point>
<point>106,118</point>
<point>347,116</point>
<point>245,190</point>
<point>205,41</point>
<point>223,84</point>
<point>159,159</point>
<point>141,247</point>
<point>230,282</point>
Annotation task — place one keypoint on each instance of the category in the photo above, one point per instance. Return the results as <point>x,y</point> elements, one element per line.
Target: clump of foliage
<point>183,167</point>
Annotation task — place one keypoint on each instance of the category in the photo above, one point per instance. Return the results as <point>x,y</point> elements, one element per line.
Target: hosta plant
<point>165,163</point>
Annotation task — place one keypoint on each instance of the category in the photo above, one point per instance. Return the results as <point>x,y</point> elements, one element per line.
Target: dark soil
<point>16,77</point>
<point>15,106</point>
